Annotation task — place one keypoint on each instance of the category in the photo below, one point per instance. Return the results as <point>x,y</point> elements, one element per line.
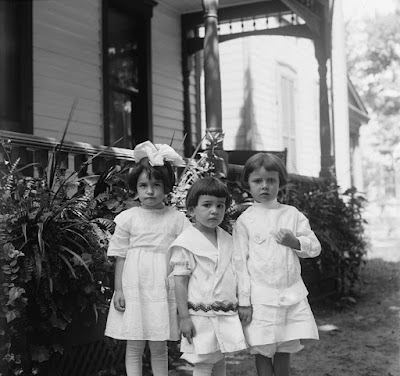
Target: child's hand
<point>245,314</point>
<point>287,238</point>
<point>119,301</point>
<point>187,328</point>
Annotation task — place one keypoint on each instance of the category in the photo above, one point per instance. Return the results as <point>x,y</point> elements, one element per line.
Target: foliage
<point>53,264</point>
<point>337,221</point>
<point>373,56</point>
<point>195,169</point>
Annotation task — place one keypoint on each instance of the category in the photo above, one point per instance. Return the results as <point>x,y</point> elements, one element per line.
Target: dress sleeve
<point>309,244</point>
<point>119,242</point>
<point>182,261</point>
<point>240,256</point>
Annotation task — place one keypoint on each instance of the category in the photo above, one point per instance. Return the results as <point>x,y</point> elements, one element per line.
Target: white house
<point>276,80</point>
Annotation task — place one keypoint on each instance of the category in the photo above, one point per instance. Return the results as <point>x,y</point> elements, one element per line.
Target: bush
<point>53,266</point>
<point>337,221</point>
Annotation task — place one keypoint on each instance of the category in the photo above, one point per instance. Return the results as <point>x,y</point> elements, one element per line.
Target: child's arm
<point>119,299</point>
<point>240,256</point>
<point>304,242</point>
<point>181,294</point>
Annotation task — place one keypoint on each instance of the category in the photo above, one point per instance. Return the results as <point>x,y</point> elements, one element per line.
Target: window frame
<point>144,9</point>
<point>24,39</point>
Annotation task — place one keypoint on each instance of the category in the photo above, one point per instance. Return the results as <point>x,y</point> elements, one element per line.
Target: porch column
<point>211,68</point>
<point>327,156</point>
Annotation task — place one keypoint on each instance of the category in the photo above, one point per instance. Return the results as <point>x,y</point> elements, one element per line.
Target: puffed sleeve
<point>119,242</point>
<point>309,244</point>
<point>240,256</point>
<point>182,261</point>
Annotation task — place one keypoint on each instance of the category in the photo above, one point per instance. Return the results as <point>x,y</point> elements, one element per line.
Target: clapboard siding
<point>53,127</point>
<point>67,66</point>
<point>167,76</point>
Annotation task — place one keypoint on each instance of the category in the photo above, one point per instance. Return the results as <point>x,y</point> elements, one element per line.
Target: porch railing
<point>72,155</point>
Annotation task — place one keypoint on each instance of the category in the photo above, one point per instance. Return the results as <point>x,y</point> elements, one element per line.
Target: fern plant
<point>53,264</point>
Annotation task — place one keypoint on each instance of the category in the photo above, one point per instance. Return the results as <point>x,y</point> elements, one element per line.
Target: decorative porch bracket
<point>313,20</point>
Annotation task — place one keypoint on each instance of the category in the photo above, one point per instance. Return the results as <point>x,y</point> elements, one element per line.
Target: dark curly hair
<point>164,173</point>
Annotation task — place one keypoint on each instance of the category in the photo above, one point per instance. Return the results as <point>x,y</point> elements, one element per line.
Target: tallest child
<point>143,307</point>
<point>272,238</point>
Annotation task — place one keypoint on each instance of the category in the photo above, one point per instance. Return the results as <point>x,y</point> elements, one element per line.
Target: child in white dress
<point>206,284</point>
<point>143,307</point>
<point>272,237</point>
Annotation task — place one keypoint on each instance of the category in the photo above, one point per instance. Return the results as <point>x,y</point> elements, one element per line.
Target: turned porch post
<point>322,52</point>
<point>211,68</point>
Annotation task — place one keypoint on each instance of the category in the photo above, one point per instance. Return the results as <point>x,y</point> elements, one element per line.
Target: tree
<point>373,55</point>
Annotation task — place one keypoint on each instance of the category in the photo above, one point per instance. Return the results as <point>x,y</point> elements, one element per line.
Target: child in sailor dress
<point>212,294</point>
<point>207,292</point>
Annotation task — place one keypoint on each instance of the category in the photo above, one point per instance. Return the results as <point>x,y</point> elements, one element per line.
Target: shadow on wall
<point>247,133</point>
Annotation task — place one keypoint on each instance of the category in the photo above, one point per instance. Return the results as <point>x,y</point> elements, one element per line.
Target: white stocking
<point>159,357</point>
<point>133,357</point>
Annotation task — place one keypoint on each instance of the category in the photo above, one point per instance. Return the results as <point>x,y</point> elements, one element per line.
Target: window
<point>287,116</point>
<point>16,66</point>
<point>126,63</point>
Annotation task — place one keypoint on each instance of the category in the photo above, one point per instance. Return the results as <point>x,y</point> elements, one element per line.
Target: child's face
<point>209,212</point>
<point>150,191</point>
<point>264,185</point>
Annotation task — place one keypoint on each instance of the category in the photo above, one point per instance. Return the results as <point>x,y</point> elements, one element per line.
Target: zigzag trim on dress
<point>216,306</point>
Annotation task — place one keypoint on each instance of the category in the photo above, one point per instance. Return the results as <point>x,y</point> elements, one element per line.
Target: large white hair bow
<point>157,154</point>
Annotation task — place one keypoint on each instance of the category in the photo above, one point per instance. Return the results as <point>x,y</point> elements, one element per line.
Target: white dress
<point>143,237</point>
<point>277,292</point>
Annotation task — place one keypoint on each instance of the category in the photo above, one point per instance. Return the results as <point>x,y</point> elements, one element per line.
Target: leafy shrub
<point>53,265</point>
<point>337,221</point>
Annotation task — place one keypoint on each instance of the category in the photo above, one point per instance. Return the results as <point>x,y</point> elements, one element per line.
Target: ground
<point>358,337</point>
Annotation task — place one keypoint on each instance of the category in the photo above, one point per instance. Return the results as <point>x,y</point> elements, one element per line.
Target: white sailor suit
<point>212,294</point>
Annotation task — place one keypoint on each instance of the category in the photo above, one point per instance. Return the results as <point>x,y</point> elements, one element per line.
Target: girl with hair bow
<point>143,307</point>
